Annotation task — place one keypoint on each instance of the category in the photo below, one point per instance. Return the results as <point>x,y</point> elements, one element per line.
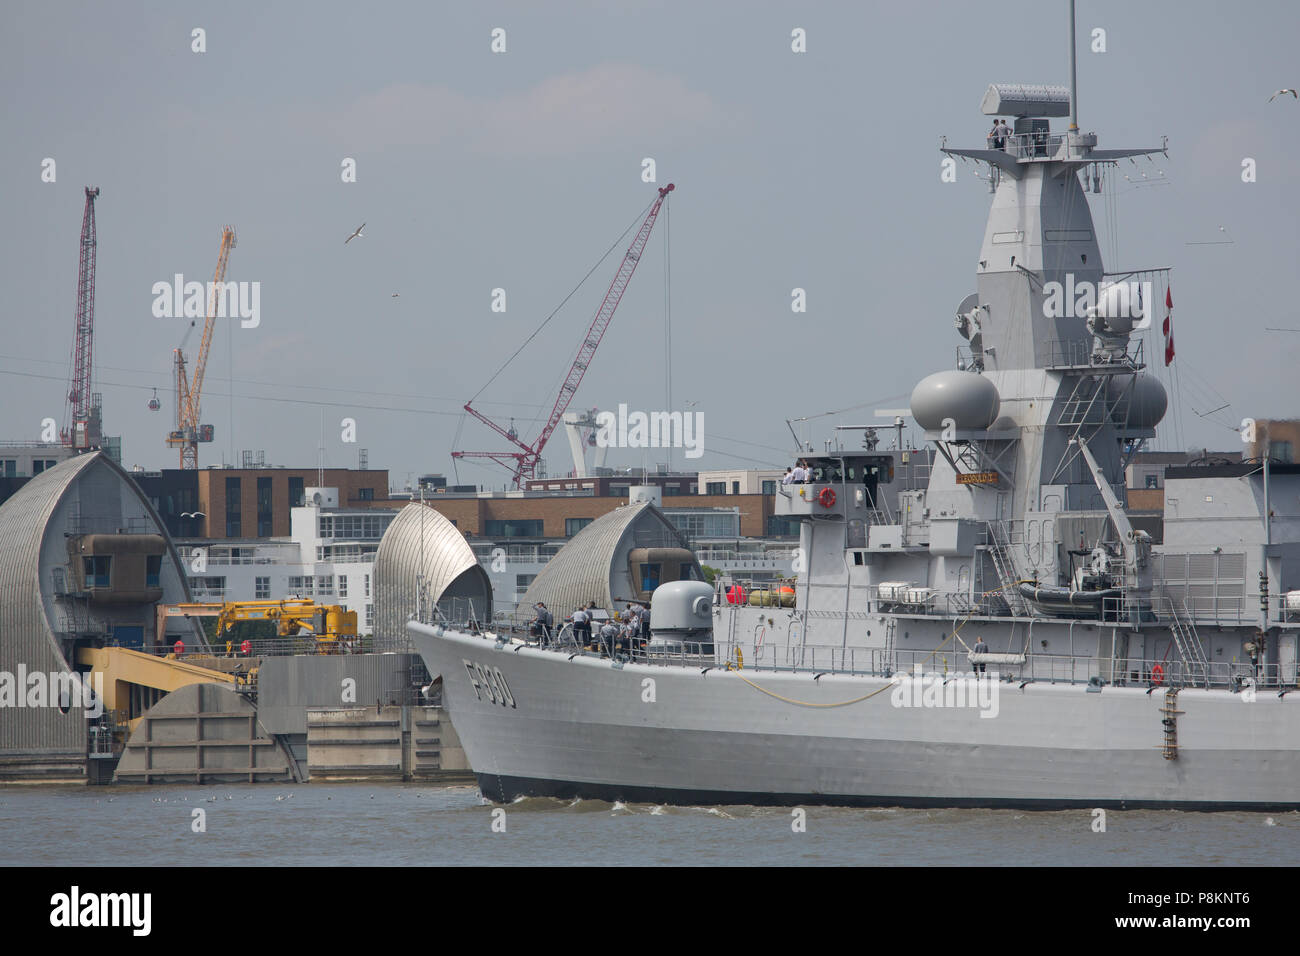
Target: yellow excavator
<point>334,627</point>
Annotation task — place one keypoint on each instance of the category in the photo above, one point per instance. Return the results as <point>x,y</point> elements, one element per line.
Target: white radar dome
<point>970,400</point>
<point>1142,406</point>
<point>1120,307</point>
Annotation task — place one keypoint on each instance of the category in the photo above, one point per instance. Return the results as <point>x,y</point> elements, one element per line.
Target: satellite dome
<point>970,400</point>
<point>1119,306</point>
<point>1143,406</point>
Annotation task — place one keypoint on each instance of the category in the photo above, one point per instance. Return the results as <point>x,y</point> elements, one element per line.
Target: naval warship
<point>981,624</point>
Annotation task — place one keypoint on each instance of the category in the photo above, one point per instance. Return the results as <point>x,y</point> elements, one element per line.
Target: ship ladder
<point>891,627</point>
<point>1189,643</point>
<point>1170,723</point>
<point>1000,552</point>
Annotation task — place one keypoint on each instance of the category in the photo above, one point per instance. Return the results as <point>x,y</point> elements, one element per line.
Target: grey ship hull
<point>555,726</point>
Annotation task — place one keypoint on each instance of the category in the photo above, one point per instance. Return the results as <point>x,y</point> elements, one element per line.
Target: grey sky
<point>478,170</point>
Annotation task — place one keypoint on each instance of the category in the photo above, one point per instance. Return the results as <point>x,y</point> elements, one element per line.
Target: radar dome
<point>1142,406</point>
<point>970,400</point>
<point>1119,307</point>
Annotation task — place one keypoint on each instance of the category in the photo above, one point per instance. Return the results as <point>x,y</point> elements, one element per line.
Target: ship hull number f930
<point>489,682</point>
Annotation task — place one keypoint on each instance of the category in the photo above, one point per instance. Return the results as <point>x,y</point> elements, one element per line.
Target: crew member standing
<point>980,648</point>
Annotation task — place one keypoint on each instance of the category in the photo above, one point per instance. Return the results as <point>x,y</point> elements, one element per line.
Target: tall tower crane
<point>188,431</point>
<point>523,463</point>
<point>82,428</point>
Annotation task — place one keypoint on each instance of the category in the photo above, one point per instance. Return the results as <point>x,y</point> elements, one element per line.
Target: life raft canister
<point>826,498</point>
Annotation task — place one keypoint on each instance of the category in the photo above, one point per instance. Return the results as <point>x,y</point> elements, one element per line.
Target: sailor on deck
<point>542,624</point>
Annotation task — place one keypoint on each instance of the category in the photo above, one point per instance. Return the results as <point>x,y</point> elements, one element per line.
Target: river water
<point>410,824</point>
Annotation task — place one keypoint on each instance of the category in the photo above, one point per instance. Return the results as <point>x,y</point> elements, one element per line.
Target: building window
<point>1281,451</point>
<point>343,585</point>
<point>687,573</point>
<point>262,589</point>
<point>302,586</point>
<point>366,494</point>
<point>715,488</point>
<point>530,528</point>
<point>296,494</point>
<point>1153,481</point>
<point>97,570</point>
<point>354,527</point>
<point>649,577</point>
<point>522,581</point>
<point>370,616</point>
<point>735,487</point>
<point>367,585</point>
<point>234,527</point>
<point>264,511</point>
<point>671,490</point>
<point>10,468</point>
<point>153,571</point>
<point>573,525</point>
<point>769,487</point>
<point>780,526</point>
<point>720,524</point>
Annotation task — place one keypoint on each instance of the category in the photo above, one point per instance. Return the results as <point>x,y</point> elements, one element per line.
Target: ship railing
<point>1059,354</point>
<point>1203,611</point>
<point>1224,675</point>
<point>758,655</point>
<point>1039,144</point>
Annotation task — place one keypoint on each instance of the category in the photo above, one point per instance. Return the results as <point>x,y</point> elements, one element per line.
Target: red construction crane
<point>81,427</point>
<point>524,462</point>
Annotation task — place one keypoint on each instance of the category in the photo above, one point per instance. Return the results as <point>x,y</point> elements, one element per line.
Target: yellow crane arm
<point>193,394</point>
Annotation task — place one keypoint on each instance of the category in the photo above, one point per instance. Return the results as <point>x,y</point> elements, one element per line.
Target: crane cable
<point>890,682</point>
<point>640,216</point>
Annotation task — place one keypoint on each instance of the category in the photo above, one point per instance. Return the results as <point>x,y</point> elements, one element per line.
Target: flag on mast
<point>1169,327</point>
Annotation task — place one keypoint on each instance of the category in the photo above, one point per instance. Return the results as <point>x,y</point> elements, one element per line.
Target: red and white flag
<point>1169,327</point>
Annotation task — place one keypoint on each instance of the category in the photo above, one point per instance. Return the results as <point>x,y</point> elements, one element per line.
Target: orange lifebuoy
<point>826,497</point>
<point>1157,674</point>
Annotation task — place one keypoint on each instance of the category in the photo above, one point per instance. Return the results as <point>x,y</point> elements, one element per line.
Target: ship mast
<point>1074,76</point>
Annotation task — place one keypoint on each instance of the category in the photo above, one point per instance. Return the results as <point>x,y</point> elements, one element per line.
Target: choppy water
<point>387,824</point>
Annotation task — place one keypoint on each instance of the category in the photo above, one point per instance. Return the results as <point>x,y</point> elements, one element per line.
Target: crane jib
<point>524,462</point>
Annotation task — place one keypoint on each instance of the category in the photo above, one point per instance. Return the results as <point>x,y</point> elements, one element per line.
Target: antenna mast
<point>1074,78</point>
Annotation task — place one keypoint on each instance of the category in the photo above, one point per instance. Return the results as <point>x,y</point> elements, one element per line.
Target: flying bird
<point>355,235</point>
<point>1280,92</point>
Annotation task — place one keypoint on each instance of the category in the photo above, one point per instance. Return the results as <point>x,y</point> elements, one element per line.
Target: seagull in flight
<point>355,235</point>
<point>1280,92</point>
